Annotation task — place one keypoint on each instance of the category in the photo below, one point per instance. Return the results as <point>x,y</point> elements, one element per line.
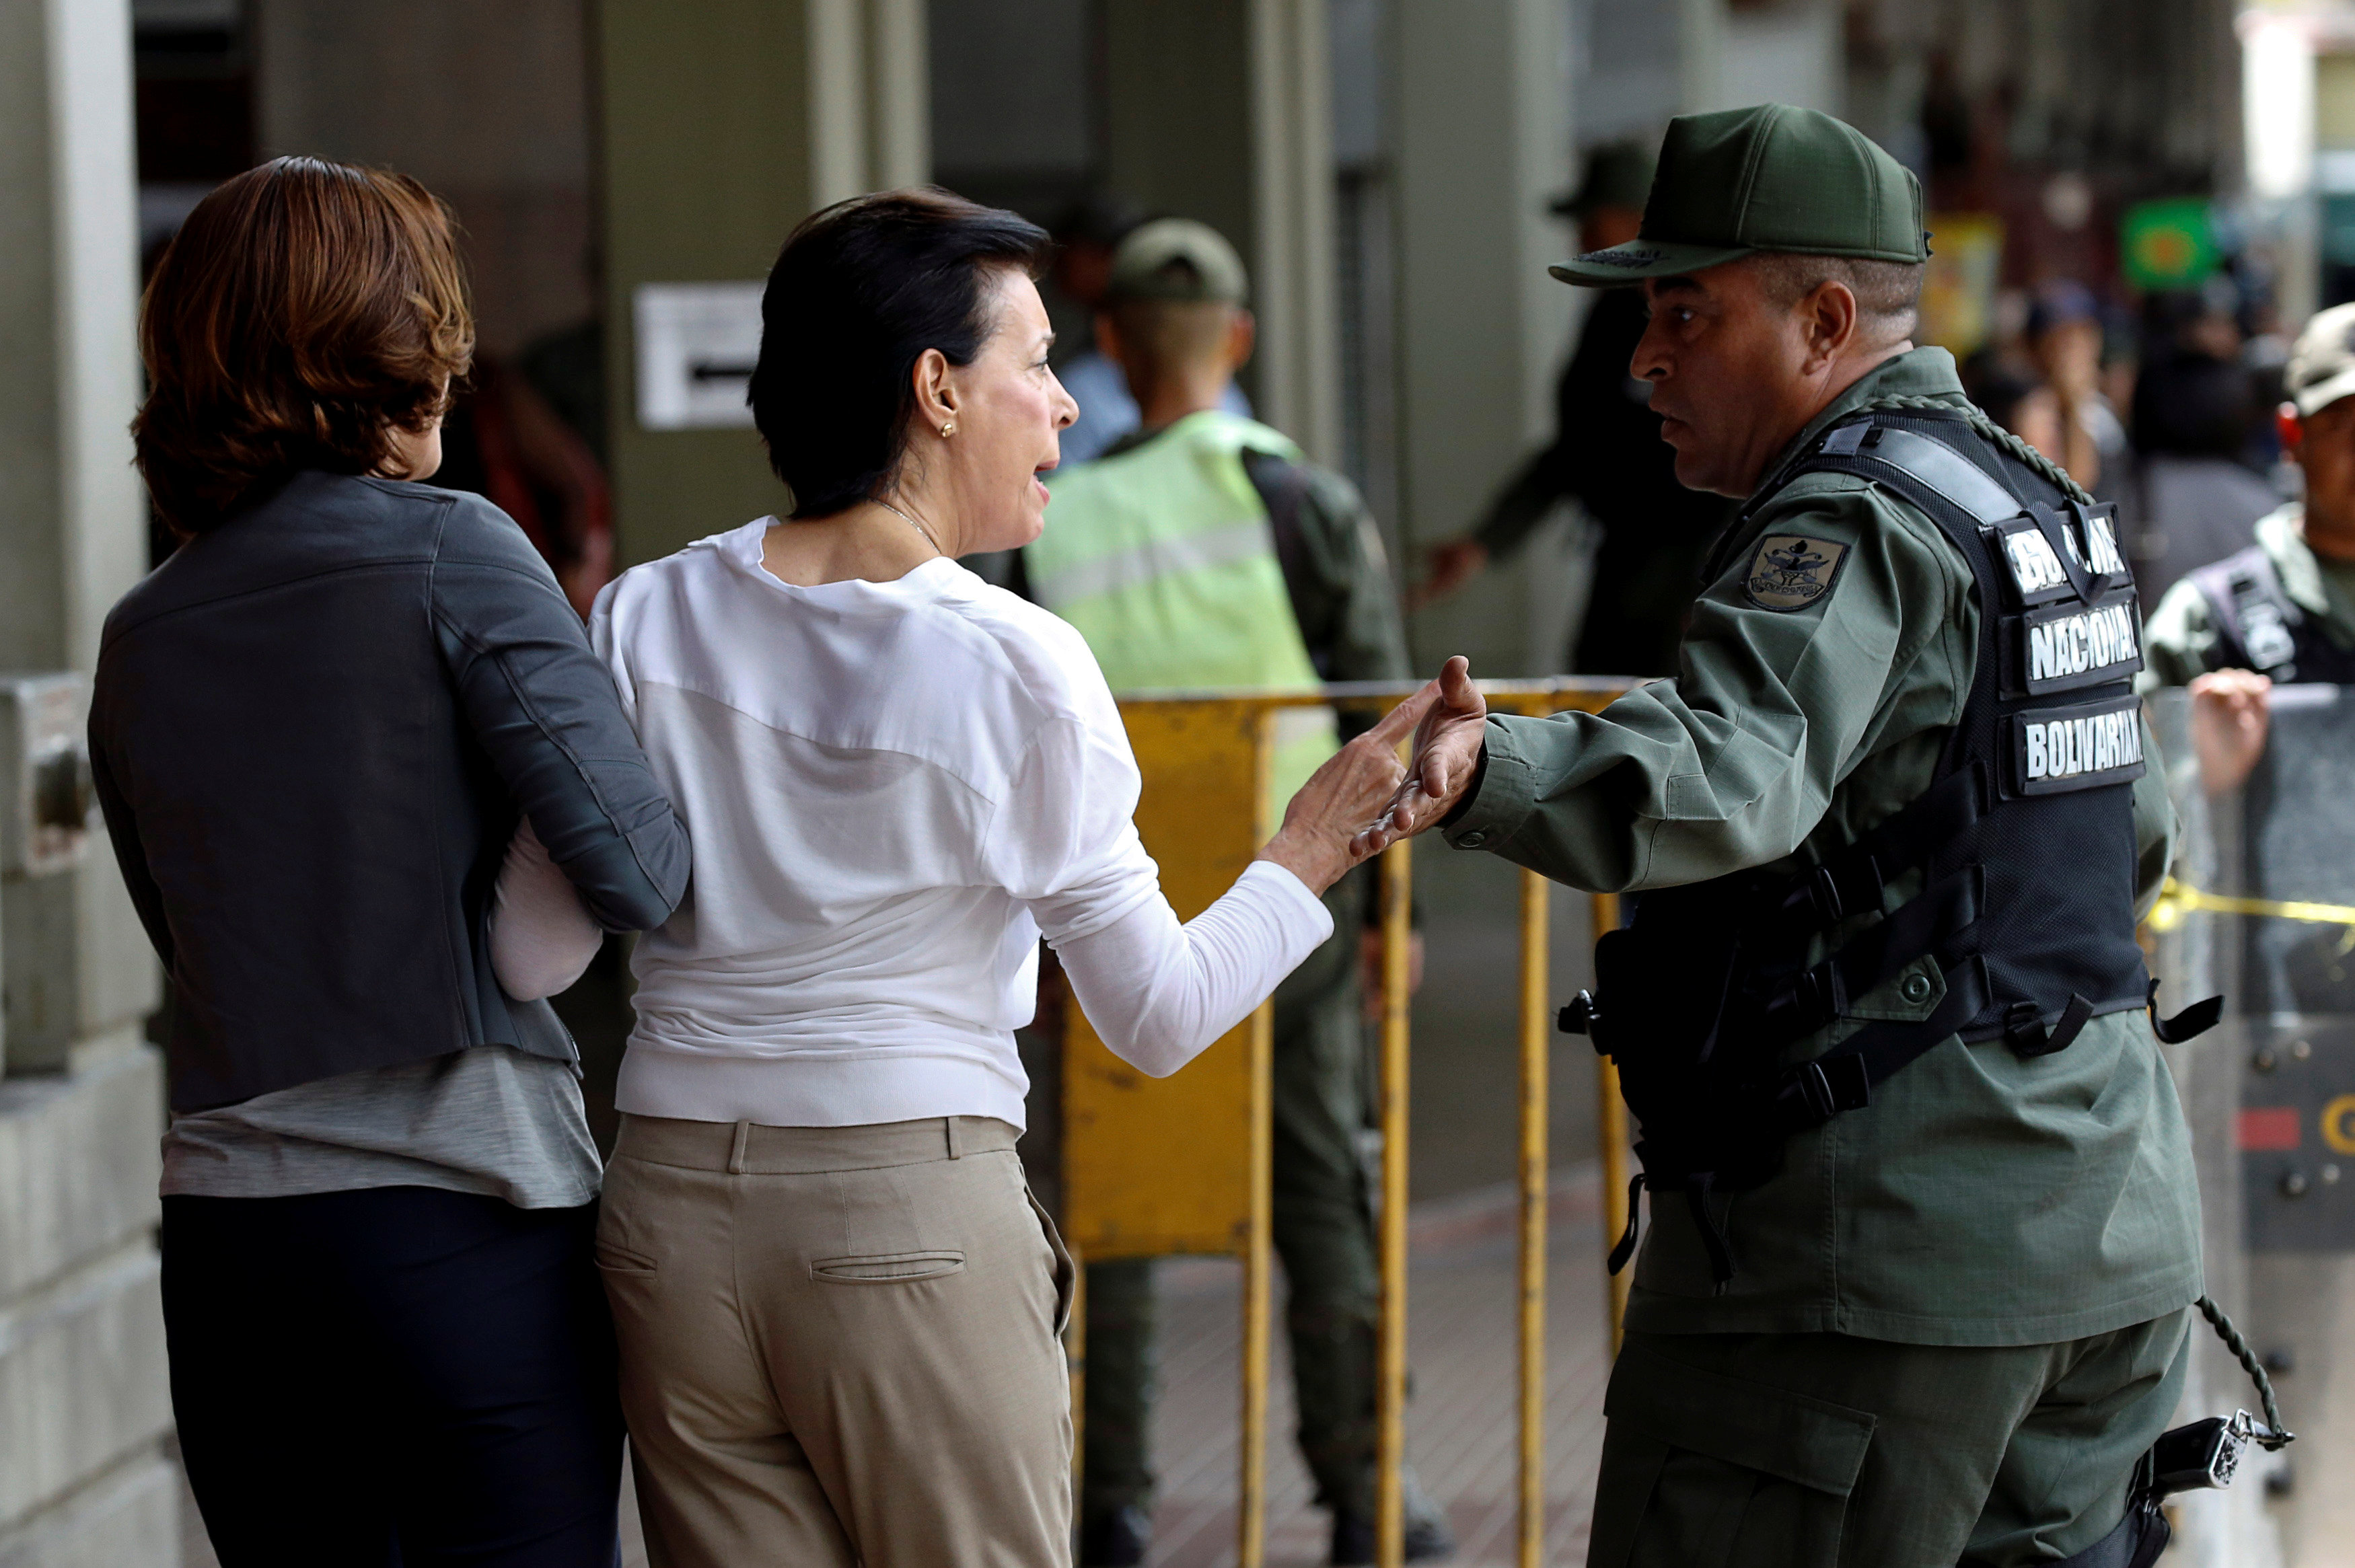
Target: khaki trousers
<point>840,1345</point>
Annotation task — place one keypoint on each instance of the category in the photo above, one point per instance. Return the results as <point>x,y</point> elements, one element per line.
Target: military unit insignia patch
<point>1791,571</point>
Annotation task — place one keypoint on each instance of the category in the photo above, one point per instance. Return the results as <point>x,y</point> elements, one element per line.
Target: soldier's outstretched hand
<point>1324,833</point>
<point>2231,712</point>
<point>1446,756</point>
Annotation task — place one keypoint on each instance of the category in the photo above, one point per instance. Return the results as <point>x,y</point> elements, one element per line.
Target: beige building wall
<point>83,1396</point>
<point>1221,111</point>
<point>723,125</point>
<point>1483,145</point>
<point>488,105</point>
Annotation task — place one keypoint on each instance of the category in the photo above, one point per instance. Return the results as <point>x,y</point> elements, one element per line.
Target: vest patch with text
<point>2071,644</point>
<point>2084,746</point>
<point>2038,573</point>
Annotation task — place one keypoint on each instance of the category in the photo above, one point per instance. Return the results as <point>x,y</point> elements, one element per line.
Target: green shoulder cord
<point>2274,1438</point>
<point>1971,413</point>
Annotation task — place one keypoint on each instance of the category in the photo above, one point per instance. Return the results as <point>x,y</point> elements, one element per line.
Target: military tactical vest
<point>2017,864</point>
<point>2259,627</point>
<point>1164,558</point>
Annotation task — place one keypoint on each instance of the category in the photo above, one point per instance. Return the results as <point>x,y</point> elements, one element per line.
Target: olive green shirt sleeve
<point>1735,762</point>
<point>2179,640</point>
<point>1348,605</point>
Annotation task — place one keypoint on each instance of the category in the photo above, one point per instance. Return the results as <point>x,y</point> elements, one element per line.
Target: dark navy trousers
<point>399,1377</point>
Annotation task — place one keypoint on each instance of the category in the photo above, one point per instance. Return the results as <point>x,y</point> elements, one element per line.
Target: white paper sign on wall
<point>696,342</point>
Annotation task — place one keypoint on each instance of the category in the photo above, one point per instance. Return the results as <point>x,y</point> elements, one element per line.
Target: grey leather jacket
<point>312,731</point>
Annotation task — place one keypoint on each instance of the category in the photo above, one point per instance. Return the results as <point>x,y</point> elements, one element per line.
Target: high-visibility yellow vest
<point>1165,560</point>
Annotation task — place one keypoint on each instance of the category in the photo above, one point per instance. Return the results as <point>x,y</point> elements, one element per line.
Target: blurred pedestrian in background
<point>314,731</point>
<point>504,440</point>
<point>1084,242</point>
<point>2021,403</point>
<point>2196,500</point>
<point>1607,454</point>
<point>2065,343</point>
<point>1204,550</point>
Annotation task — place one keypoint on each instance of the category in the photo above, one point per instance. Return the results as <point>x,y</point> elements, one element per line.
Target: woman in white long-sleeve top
<point>837,1304</point>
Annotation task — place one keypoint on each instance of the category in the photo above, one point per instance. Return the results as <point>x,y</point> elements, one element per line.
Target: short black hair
<point>859,291</point>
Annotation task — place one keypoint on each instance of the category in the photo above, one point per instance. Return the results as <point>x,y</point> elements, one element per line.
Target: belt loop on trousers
<point>954,1151</point>
<point>736,1155</point>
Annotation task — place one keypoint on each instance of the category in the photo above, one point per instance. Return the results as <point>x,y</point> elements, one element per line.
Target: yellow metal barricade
<point>1153,1167</point>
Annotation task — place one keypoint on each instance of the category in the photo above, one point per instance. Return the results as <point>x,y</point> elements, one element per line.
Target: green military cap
<point>1178,258</point>
<point>1618,173</point>
<point>1769,178</point>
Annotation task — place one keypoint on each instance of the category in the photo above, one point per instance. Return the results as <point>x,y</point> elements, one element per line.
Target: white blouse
<point>893,789</point>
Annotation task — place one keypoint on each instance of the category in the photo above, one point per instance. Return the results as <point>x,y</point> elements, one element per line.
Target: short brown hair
<point>304,312</point>
<point>1888,294</point>
<point>1162,336</point>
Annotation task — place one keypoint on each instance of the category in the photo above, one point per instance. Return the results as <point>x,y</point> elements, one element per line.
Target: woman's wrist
<point>1315,857</point>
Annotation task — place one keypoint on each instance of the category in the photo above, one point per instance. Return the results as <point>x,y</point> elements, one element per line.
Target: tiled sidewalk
<point>1463,1426</point>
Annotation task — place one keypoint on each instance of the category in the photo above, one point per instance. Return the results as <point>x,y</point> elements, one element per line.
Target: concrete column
<point>1221,111</point>
<point>724,125</point>
<point>871,97</point>
<point>1483,142</point>
<point>84,1397</point>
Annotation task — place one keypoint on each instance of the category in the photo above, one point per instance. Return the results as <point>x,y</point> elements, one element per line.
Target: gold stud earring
<point>948,428</point>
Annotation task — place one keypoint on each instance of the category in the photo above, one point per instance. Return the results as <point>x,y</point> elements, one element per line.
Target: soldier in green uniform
<point>1923,1225</point>
<point>1204,550</point>
<point>2283,608</point>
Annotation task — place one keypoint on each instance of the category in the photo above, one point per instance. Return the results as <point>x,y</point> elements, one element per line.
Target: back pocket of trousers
<point>1700,1469</point>
<point>887,1267</point>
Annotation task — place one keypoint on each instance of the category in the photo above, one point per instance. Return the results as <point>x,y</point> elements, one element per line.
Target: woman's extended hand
<point>1447,745</point>
<point>1341,815</point>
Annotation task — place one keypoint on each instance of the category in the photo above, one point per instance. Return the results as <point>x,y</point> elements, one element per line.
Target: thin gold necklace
<point>911,523</point>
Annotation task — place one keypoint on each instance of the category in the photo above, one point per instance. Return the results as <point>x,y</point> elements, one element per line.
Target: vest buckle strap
<point>1625,1247</point>
<point>1815,996</point>
<point>2197,1019</point>
<point>1815,1092</point>
<point>1838,889</point>
<point>2024,1031</point>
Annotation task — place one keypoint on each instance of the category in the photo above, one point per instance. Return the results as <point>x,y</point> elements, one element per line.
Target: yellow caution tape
<point>2178,899</point>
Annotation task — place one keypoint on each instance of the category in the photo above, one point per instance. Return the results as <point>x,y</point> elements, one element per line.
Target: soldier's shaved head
<point>1164,337</point>
<point>1888,294</point>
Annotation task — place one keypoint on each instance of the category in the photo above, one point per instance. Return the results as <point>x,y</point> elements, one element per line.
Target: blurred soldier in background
<point>1084,242</point>
<point>1607,454</point>
<point>2283,609</point>
<point>1205,550</point>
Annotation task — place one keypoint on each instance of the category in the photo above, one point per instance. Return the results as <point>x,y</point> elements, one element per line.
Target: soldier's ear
<point>2290,428</point>
<point>1242,336</point>
<point>1831,322</point>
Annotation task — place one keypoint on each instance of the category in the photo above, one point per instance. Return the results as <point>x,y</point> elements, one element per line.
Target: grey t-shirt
<point>492,1119</point>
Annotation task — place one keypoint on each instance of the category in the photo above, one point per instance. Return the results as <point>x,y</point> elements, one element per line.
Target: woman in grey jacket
<point>315,731</point>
